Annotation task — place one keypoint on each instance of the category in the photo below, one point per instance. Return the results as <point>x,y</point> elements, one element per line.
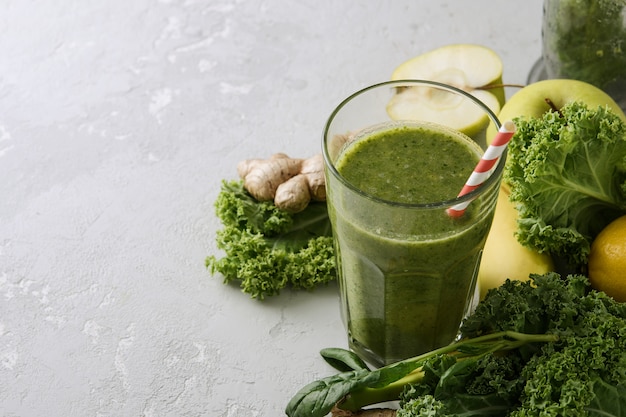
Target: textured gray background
<point>118,120</point>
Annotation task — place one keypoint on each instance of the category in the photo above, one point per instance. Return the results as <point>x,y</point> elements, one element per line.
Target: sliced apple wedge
<point>468,67</point>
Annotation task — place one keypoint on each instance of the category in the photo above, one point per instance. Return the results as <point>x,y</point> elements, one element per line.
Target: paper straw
<point>484,166</point>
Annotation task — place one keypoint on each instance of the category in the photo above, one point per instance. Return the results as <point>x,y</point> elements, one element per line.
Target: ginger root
<point>290,182</point>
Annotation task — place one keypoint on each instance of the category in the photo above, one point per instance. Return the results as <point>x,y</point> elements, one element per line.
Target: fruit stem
<point>553,107</point>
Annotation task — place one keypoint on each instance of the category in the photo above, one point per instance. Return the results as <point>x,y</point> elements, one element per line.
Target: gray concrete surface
<point>118,120</point>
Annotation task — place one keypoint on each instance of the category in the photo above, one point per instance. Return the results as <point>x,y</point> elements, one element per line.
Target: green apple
<point>533,100</point>
<point>474,69</point>
<point>503,256</point>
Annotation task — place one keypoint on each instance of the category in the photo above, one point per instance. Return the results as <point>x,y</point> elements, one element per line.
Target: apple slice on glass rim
<point>474,69</point>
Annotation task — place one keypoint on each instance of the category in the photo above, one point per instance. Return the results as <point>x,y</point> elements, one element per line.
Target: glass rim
<point>472,195</point>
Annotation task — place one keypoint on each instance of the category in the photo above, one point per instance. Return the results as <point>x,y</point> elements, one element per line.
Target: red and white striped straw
<point>484,166</point>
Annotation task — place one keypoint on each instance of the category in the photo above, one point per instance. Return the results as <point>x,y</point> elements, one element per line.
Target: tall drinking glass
<point>407,269</point>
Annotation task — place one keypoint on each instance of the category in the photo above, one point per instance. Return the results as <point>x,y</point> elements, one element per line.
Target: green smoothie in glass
<point>407,269</point>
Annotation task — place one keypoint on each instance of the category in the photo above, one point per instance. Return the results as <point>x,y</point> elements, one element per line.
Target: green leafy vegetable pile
<point>267,249</point>
<point>567,172</point>
<point>551,346</point>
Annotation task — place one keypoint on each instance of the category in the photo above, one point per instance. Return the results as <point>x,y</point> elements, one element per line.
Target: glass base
<point>366,354</point>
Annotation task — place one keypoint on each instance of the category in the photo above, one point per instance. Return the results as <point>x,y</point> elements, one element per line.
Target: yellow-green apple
<point>503,256</point>
<point>543,96</point>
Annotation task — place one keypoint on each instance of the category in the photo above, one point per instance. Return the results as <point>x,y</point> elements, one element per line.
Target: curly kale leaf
<point>563,376</point>
<point>567,173</point>
<point>236,208</point>
<point>487,385</point>
<point>267,249</point>
<point>425,406</point>
<point>560,378</point>
<point>535,306</point>
<point>461,405</point>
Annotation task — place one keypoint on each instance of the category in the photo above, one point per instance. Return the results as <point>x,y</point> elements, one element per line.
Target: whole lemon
<point>607,260</point>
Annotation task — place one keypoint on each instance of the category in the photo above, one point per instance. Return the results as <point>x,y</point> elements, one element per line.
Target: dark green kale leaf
<point>558,378</point>
<point>535,306</point>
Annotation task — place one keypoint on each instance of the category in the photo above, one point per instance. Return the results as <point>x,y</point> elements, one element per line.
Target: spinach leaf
<point>343,360</point>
